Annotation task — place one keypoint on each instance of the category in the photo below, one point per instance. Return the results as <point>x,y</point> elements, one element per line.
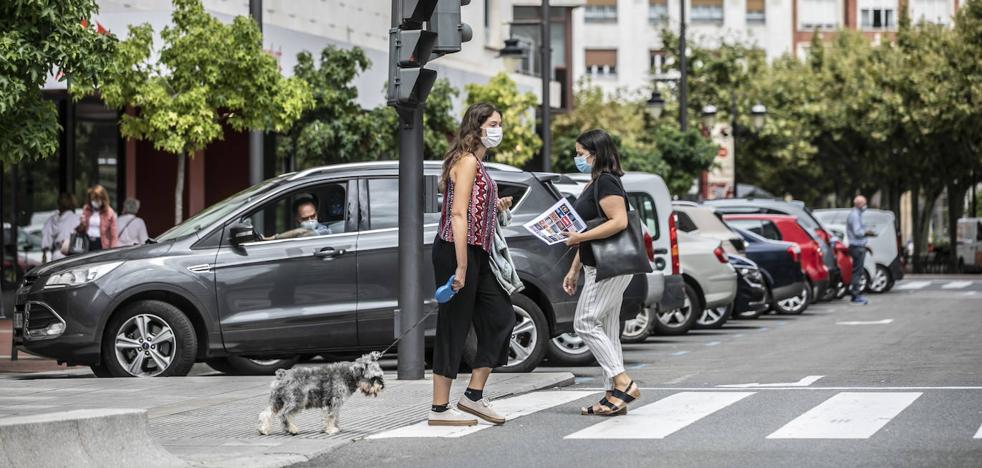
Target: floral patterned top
<point>482,211</point>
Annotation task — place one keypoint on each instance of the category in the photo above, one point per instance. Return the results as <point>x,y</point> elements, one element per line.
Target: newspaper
<point>551,227</point>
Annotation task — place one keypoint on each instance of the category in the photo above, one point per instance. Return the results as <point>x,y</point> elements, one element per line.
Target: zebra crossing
<point>938,284</point>
<point>845,415</point>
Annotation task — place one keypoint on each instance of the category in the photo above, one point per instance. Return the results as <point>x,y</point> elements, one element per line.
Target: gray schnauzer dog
<point>324,387</point>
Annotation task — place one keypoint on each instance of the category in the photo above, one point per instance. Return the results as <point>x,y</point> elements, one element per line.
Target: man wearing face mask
<point>306,211</point>
<point>856,234</point>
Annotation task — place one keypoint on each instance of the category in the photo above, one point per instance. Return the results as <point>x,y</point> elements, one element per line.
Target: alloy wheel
<point>571,343</point>
<point>636,326</point>
<point>524,338</point>
<point>711,315</point>
<point>881,279</point>
<point>145,345</point>
<point>796,303</point>
<point>677,317</point>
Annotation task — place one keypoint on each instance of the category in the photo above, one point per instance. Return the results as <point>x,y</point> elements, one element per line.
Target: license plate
<point>19,320</point>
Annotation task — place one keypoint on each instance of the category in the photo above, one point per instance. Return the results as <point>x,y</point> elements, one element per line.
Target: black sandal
<point>614,410</point>
<point>624,396</point>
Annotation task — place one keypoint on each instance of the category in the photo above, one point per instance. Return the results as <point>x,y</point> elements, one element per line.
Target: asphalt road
<point>894,383</point>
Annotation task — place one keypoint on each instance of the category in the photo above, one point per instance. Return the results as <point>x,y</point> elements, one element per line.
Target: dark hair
<point>66,202</point>
<point>468,138</point>
<point>304,200</point>
<point>604,151</point>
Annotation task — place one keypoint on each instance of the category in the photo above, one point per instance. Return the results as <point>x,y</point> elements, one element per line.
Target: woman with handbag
<point>609,256</point>
<point>98,220</point>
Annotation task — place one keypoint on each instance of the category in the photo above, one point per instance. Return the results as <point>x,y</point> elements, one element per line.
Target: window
<point>646,210</point>
<point>383,203</point>
<point>817,14</point>
<point>600,11</point>
<point>765,229</point>
<point>706,11</point>
<point>933,11</point>
<point>685,223</point>
<point>601,62</point>
<point>877,18</point>
<point>756,12</point>
<point>280,219</point>
<point>657,11</point>
<point>657,61</point>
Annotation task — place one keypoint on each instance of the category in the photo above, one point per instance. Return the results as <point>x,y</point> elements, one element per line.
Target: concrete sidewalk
<point>211,420</point>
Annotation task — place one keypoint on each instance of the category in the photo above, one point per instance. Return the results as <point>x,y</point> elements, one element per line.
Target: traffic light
<point>411,46</point>
<point>451,32</point>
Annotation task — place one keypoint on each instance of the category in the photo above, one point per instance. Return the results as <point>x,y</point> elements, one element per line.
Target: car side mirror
<point>240,233</point>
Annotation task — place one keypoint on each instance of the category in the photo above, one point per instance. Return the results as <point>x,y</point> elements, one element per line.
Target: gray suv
<point>235,285</point>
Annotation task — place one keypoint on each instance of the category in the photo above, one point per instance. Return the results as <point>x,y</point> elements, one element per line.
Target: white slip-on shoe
<point>482,409</point>
<point>450,417</point>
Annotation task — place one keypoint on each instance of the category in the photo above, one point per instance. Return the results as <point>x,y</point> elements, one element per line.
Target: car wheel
<point>527,345</point>
<point>714,317</point>
<point>636,330</point>
<point>881,281</point>
<point>149,339</point>
<point>841,289</point>
<point>238,365</point>
<point>679,321</point>
<point>797,304</point>
<point>569,349</point>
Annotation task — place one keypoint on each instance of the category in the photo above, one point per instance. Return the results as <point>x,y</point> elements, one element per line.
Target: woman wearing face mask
<point>98,220</point>
<point>597,317</point>
<point>462,248</point>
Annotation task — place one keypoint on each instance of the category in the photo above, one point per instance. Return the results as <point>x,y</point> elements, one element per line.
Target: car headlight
<point>745,271</point>
<point>79,276</point>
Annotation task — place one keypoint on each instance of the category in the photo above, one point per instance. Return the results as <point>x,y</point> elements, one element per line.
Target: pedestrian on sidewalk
<point>463,248</point>
<point>98,220</point>
<point>597,317</point>
<point>58,228</point>
<point>856,234</point>
<point>132,228</point>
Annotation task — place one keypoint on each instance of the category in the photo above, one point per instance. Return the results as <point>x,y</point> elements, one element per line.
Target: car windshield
<point>219,210</point>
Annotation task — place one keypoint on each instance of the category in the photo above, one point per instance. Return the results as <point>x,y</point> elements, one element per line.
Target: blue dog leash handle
<point>445,293</point>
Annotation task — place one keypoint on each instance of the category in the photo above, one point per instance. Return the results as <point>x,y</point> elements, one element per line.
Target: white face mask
<point>494,136</point>
<point>96,204</point>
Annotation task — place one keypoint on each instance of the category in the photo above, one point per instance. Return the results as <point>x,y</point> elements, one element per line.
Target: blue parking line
<point>637,366</point>
<point>679,353</point>
<point>579,380</point>
<point>712,343</point>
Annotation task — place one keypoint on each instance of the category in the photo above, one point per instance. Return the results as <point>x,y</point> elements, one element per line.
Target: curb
<point>82,438</point>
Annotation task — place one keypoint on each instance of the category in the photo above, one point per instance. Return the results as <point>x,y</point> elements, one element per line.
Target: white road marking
<point>869,322</point>
<point>661,418</point>
<point>957,285</point>
<point>847,415</point>
<point>696,389</point>
<point>912,285</point>
<point>801,383</point>
<point>511,408</point>
<point>978,435</point>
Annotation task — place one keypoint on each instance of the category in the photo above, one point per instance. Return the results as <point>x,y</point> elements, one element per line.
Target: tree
<point>209,75</point>
<point>520,142</point>
<point>40,37</point>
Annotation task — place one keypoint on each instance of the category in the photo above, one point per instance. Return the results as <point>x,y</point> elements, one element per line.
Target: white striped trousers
<point>597,320</point>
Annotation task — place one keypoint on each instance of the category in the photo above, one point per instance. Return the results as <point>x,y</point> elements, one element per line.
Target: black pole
<point>410,350</point>
<point>683,70</point>
<point>733,132</point>
<point>256,137</point>
<point>546,67</point>
<point>2,246</point>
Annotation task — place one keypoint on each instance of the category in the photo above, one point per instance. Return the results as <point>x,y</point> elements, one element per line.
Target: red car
<point>786,228</point>
<point>844,260</point>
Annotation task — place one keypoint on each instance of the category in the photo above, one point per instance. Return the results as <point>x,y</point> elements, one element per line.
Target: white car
<point>710,280</point>
<point>885,246</point>
<point>969,244</point>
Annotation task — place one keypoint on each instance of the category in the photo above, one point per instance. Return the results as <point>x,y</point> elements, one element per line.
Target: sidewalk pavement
<point>211,420</point>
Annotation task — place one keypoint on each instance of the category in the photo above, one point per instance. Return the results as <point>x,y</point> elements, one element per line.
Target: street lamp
<point>655,105</point>
<point>758,113</point>
<point>708,117</point>
<point>512,54</point>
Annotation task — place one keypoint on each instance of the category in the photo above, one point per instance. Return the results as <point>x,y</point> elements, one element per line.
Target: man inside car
<point>306,212</point>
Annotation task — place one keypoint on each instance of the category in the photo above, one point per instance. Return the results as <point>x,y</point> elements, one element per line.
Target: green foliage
<point>39,36</point>
<point>521,142</point>
<point>654,147</point>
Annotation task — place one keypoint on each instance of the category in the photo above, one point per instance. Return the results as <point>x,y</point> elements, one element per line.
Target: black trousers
<point>481,302</point>
<point>858,255</point>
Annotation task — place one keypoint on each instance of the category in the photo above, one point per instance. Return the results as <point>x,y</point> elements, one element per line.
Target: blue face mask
<point>582,165</point>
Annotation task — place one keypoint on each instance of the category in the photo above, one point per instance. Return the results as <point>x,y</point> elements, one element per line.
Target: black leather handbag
<point>622,253</point>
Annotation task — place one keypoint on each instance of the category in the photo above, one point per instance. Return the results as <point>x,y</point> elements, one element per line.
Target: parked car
<point>780,266</point>
<point>215,289</point>
<point>794,208</point>
<point>787,228</point>
<point>705,221</point>
<point>885,246</point>
<point>752,298</point>
<point>710,284</point>
<point>969,248</point>
<point>648,194</point>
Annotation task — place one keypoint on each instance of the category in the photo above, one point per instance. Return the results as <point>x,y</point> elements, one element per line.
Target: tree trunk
<point>956,208</point>
<point>179,189</point>
<point>922,221</point>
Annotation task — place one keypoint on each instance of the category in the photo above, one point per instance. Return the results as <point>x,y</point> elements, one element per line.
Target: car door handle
<point>329,253</point>
<point>660,251</point>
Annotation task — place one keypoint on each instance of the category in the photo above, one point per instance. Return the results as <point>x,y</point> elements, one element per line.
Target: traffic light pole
<point>411,363</point>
